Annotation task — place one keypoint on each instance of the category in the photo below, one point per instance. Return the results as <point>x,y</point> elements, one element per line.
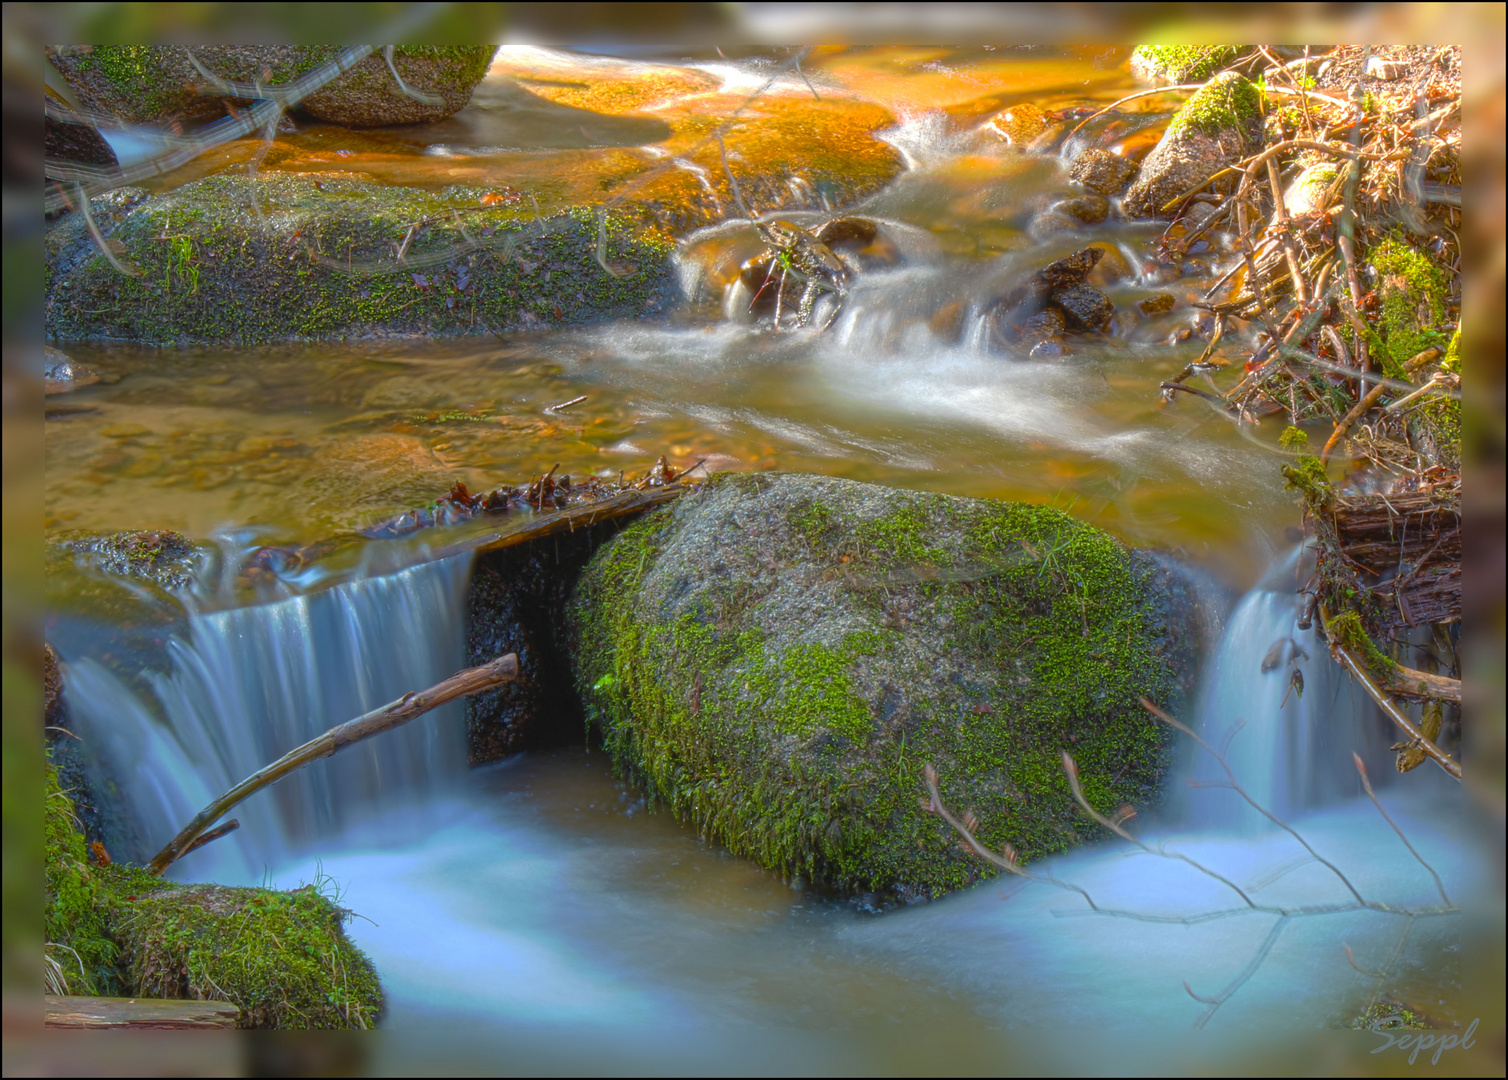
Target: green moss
<point>1412,292</point>
<point>1308,477</point>
<point>1293,438</point>
<point>1452,360</point>
<point>74,923</point>
<point>1346,629</point>
<point>780,745</point>
<point>136,74</point>
<point>318,263</point>
<point>1185,63</point>
<point>1389,1016</point>
<point>1226,103</point>
<point>281,957</point>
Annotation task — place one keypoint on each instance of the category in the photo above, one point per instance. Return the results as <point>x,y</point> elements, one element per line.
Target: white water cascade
<point>1285,717</point>
<point>538,894</point>
<point>249,684</point>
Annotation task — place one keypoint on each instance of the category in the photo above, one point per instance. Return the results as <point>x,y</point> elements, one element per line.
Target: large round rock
<point>778,656</point>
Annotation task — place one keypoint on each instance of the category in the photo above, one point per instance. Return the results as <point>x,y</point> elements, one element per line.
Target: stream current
<point>540,894</point>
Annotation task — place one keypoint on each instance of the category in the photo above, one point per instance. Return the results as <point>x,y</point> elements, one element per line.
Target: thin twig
<point>1366,783</point>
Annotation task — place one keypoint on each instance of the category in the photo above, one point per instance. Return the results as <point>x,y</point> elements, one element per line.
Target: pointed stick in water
<point>394,714</point>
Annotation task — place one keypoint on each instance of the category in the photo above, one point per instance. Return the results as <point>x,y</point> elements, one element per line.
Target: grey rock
<point>778,656</point>
<point>1217,127</point>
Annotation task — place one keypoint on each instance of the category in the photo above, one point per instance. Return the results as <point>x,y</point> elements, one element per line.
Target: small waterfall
<point>249,684</point>
<point>1287,717</point>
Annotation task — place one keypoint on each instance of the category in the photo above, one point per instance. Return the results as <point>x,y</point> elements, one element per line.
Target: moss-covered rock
<point>282,957</point>
<point>1218,126</point>
<point>145,83</point>
<point>1183,63</point>
<point>777,657</point>
<point>280,258</point>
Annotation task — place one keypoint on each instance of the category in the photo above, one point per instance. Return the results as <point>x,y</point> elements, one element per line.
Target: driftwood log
<point>394,714</point>
<point>1401,551</point>
<point>137,1013</point>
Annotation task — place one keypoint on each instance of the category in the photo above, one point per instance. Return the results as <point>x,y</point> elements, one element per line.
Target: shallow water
<point>540,893</point>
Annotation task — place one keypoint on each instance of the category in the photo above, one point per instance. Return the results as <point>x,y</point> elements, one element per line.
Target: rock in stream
<point>778,656</point>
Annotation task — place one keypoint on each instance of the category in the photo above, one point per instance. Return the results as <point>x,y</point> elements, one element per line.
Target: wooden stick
<point>394,714</point>
<point>1424,684</point>
<point>1385,703</point>
<point>214,834</point>
<point>137,1013</point>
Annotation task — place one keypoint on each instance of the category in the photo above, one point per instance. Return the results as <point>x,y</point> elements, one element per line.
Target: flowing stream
<point>541,895</point>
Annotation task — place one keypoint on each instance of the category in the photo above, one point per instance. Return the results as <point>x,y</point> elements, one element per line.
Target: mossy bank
<point>281,957</point>
<point>229,259</point>
<point>778,656</point>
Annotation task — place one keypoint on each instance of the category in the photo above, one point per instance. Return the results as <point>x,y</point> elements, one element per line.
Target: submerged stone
<point>1085,306</point>
<point>1217,127</point>
<point>778,656</point>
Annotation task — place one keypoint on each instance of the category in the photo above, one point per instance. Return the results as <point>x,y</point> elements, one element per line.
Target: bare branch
<point>1166,719</point>
<point>1366,783</point>
<point>392,715</point>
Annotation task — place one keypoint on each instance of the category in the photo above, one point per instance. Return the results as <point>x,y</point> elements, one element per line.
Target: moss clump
<point>778,657</point>
<point>281,957</point>
<point>1183,63</point>
<point>1412,292</point>
<point>1293,438</point>
<point>1346,630</point>
<point>1308,477</point>
<point>1223,104</point>
<point>74,919</point>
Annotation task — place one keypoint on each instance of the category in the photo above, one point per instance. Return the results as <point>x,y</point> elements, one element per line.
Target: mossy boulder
<point>146,83</point>
<point>778,656</point>
<point>282,957</point>
<point>1183,63</point>
<point>298,258</point>
<point>1217,127</point>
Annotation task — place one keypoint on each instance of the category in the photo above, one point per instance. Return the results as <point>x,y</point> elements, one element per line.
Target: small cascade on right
<point>1284,716</point>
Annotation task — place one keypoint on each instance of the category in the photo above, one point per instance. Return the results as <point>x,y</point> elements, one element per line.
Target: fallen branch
<point>139,1014</point>
<point>394,714</point>
<point>1386,704</point>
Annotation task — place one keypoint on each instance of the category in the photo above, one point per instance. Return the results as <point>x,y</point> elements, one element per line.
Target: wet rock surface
<point>1084,306</point>
<point>62,374</point>
<point>516,603</point>
<point>1102,172</point>
<point>1218,126</point>
<point>783,692</point>
<point>160,557</point>
<point>291,258</point>
<point>1060,286</point>
<point>140,84</point>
